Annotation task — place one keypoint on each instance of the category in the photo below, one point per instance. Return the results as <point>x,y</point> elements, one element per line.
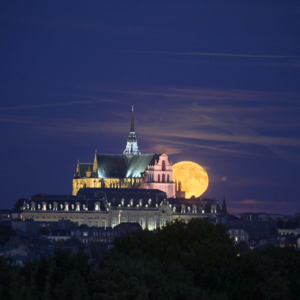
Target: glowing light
<point>193,177</point>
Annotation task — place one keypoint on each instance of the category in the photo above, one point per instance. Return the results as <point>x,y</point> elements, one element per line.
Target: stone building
<point>101,207</point>
<point>118,188</point>
<point>128,170</point>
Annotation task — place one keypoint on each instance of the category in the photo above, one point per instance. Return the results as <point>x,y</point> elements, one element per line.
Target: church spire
<point>132,120</point>
<point>224,208</point>
<point>132,146</point>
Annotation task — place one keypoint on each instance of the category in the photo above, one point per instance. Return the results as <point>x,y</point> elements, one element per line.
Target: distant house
<point>238,234</point>
<point>256,230</point>
<point>287,228</point>
<point>59,234</point>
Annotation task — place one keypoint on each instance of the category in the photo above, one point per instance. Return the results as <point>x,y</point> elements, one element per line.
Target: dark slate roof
<point>122,166</point>
<point>72,243</point>
<point>112,165</point>
<point>287,225</point>
<point>115,196</point>
<point>61,199</point>
<point>203,203</point>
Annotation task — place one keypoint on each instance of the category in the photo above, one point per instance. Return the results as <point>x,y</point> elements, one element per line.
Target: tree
<point>181,260</point>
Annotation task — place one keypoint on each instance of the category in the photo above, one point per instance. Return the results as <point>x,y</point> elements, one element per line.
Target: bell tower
<point>132,145</point>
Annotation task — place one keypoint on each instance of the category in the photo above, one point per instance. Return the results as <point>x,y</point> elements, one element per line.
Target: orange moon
<point>194,178</point>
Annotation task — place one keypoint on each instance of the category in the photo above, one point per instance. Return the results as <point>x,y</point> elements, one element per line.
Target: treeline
<point>181,261</point>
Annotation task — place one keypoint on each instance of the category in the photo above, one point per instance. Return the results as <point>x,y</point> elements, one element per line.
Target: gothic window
<point>158,180</point>
<point>131,202</point>
<point>163,168</point>
<point>149,201</point>
<point>141,202</point>
<point>163,178</point>
<point>77,206</point>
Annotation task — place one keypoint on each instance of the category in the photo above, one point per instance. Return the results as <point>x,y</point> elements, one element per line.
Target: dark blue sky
<point>215,82</point>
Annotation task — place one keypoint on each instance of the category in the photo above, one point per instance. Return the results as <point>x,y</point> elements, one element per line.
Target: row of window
<point>62,206</point>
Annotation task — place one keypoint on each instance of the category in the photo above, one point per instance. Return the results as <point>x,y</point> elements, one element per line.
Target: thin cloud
<point>220,54</point>
<point>21,107</point>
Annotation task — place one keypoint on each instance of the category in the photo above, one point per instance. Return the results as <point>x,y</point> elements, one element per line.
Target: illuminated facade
<point>101,207</point>
<point>128,170</point>
<point>116,188</point>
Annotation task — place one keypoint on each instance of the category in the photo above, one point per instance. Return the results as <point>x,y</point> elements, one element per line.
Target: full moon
<point>194,179</point>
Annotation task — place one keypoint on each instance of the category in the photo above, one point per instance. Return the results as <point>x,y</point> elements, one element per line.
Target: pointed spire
<point>131,145</point>
<point>77,167</point>
<point>95,165</point>
<point>132,120</point>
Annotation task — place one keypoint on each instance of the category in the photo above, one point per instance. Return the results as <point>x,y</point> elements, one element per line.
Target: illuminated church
<point>128,187</point>
<point>128,170</point>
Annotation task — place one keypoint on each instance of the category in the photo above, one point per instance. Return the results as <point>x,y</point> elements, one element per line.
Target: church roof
<point>122,166</point>
<point>112,165</point>
<point>139,163</point>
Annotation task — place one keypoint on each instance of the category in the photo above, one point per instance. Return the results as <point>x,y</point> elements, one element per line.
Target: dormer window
<point>97,206</point>
<point>32,205</point>
<point>183,208</point>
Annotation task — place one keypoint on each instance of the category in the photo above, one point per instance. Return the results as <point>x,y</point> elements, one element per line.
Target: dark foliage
<point>196,260</point>
<point>6,232</point>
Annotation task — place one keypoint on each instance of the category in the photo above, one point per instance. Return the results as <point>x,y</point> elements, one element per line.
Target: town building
<point>102,207</point>
<point>117,188</point>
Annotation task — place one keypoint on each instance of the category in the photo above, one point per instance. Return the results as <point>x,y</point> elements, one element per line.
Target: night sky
<point>214,82</point>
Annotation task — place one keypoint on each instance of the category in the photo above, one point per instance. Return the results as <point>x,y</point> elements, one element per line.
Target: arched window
<point>168,178</point>
<point>158,180</point>
<point>163,166</point>
<point>163,178</point>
